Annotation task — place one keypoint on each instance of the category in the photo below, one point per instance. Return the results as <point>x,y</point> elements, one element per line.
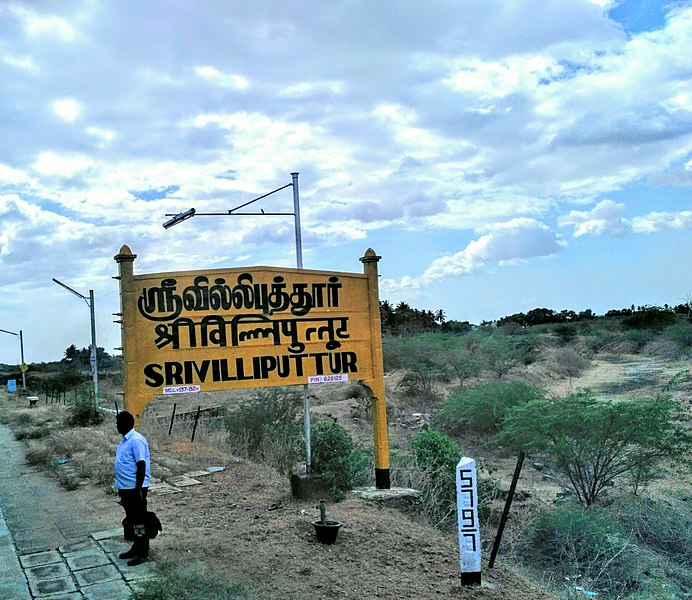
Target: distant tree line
<point>81,357</point>
<point>403,319</point>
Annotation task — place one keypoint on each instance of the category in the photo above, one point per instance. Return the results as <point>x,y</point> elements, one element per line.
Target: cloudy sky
<point>500,155</point>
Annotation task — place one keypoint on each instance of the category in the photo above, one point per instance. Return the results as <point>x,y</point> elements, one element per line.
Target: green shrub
<point>433,471</point>
<point>664,528</point>
<point>335,456</point>
<point>38,455</point>
<point>184,580</point>
<point>579,548</point>
<point>434,451</point>
<point>651,317</point>
<point>681,334</point>
<point>83,411</point>
<point>483,408</point>
<point>589,445</point>
<point>565,333</point>
<point>266,428</point>
<point>32,433</point>
<point>638,338</point>
<point>634,548</point>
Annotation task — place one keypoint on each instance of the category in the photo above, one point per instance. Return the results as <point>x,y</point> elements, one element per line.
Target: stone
<point>97,575</point>
<point>108,533</point>
<point>163,488</point>
<point>45,572</point>
<point>182,481</point>
<point>109,590</point>
<point>193,474</point>
<point>87,559</point>
<point>40,558</point>
<point>88,544</point>
<point>52,586</point>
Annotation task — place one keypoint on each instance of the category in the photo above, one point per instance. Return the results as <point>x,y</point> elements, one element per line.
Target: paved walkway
<point>51,545</point>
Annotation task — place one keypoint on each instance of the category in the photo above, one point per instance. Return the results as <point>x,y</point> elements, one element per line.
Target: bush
<point>335,456</point>
<point>189,581</point>
<point>568,362</point>
<point>431,468</point>
<point>435,457</point>
<point>581,548</point>
<point>83,411</point>
<point>681,334</point>
<point>265,428</point>
<point>38,456</point>
<point>588,444</point>
<point>651,317</point>
<point>635,548</point>
<point>484,407</point>
<point>434,451</point>
<point>663,528</point>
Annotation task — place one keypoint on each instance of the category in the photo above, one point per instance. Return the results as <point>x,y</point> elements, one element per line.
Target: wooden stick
<point>505,512</point>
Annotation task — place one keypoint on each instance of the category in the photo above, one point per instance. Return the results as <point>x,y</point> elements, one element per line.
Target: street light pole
<point>183,216</point>
<point>92,359</point>
<point>22,367</point>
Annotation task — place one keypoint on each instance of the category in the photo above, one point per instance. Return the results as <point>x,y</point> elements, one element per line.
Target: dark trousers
<point>135,513</point>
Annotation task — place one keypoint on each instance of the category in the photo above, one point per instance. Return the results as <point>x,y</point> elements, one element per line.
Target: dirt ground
<point>242,522</point>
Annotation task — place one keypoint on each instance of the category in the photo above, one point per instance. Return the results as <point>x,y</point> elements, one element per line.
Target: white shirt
<point>131,449</point>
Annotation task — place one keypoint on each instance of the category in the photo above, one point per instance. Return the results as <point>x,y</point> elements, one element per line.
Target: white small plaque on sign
<point>328,378</point>
<point>182,389</point>
<point>467,513</point>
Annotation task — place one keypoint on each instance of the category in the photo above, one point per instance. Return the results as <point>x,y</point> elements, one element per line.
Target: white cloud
<point>38,25</point>
<point>660,221</point>
<point>228,80</point>
<point>300,90</point>
<point>62,165</point>
<point>607,217</point>
<point>68,109</point>
<point>24,63</point>
<point>505,244</point>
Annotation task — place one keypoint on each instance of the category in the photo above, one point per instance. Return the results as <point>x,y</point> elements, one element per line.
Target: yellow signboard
<point>222,329</point>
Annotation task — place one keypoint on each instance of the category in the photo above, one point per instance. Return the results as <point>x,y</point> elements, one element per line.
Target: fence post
<point>505,512</point>
<point>194,428</point>
<point>170,427</point>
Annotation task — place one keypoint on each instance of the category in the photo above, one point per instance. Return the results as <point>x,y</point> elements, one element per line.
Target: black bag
<point>152,525</point>
<point>128,530</point>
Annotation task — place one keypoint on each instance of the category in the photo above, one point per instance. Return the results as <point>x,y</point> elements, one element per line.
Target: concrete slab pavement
<point>52,546</point>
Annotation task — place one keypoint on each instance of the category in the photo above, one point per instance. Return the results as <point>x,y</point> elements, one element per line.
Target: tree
<point>71,353</point>
<point>588,444</point>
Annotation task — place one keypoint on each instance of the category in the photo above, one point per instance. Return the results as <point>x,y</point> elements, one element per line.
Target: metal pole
<point>194,428</point>
<point>94,350</point>
<point>170,427</point>
<point>21,347</point>
<point>505,512</point>
<point>299,261</point>
<point>296,213</point>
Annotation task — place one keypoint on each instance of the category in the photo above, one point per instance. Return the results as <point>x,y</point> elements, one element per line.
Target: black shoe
<point>129,554</point>
<point>137,560</point>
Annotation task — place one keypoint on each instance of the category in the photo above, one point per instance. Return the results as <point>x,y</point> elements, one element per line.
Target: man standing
<point>132,483</point>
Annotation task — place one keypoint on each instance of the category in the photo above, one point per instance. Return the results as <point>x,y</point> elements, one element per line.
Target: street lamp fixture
<point>23,366</point>
<point>188,214</point>
<point>183,216</point>
<point>179,218</point>
<point>94,367</point>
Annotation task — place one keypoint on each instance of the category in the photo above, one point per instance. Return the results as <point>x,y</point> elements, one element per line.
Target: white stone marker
<point>467,515</point>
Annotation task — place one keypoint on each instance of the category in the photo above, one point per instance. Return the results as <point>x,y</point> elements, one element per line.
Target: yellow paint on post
<point>191,331</point>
